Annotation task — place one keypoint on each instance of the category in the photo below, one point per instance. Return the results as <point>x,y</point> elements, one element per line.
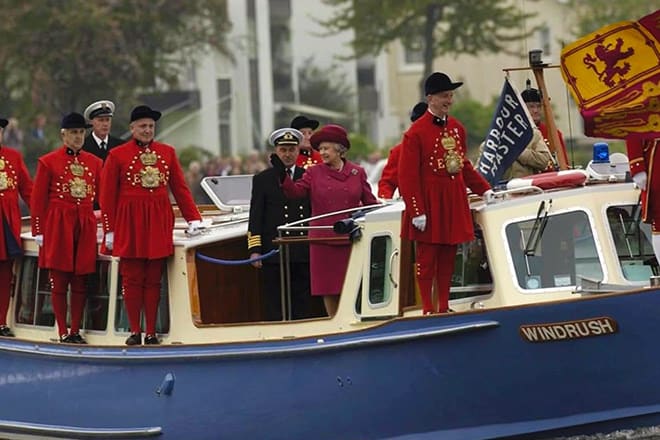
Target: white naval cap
<point>285,136</point>
<point>99,108</point>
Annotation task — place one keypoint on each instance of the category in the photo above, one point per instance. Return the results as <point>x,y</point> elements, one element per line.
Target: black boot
<point>151,340</point>
<point>6,331</point>
<point>134,339</point>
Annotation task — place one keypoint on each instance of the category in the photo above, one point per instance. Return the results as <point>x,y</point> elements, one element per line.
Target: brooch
<point>354,172</point>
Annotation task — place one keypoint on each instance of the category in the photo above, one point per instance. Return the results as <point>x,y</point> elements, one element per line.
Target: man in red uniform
<point>307,156</point>
<point>14,180</point>
<point>643,165</point>
<point>532,98</point>
<point>435,174</point>
<point>63,221</point>
<point>138,219</point>
<point>389,180</point>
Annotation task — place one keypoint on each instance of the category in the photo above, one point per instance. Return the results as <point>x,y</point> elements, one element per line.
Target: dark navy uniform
<point>91,146</point>
<point>269,208</point>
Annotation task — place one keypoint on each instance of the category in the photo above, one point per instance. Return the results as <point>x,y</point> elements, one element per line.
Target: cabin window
<point>33,305</point>
<point>632,242</point>
<point>33,296</point>
<point>472,275</point>
<point>553,251</point>
<point>380,287</point>
<point>163,318</point>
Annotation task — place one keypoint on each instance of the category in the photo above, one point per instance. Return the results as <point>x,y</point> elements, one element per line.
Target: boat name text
<point>562,331</point>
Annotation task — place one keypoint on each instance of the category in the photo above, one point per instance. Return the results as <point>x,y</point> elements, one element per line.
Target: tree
<point>59,56</point>
<point>591,15</point>
<point>436,27</point>
<point>327,89</point>
<point>476,118</point>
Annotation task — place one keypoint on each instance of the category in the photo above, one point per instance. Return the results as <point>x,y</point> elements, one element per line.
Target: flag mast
<point>536,65</point>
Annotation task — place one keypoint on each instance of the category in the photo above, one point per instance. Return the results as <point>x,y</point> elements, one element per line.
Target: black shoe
<point>151,340</point>
<point>6,331</point>
<point>134,339</point>
<point>75,338</point>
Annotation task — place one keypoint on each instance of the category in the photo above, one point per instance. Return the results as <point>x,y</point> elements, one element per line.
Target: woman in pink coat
<point>334,185</point>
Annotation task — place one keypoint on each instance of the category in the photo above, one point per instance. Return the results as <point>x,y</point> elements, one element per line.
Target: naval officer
<point>269,208</point>
<point>100,141</point>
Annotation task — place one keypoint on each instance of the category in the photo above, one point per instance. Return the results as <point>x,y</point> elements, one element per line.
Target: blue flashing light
<point>601,152</point>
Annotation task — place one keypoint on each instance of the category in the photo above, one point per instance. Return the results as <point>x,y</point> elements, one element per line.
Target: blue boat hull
<point>454,376</point>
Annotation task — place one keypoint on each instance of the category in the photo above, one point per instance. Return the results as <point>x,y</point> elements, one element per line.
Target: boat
<point>553,330</point>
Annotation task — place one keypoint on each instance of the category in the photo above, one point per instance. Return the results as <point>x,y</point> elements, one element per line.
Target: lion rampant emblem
<point>610,57</point>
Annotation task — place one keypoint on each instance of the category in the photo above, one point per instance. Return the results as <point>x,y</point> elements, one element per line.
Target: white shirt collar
<point>98,139</point>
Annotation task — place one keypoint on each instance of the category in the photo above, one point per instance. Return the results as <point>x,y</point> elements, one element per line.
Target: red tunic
<point>308,157</point>
<point>389,180</point>
<point>428,188</point>
<point>62,199</point>
<point>330,190</point>
<point>135,200</point>
<point>642,155</point>
<point>14,179</point>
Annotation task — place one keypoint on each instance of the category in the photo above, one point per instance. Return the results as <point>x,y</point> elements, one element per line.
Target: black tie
<point>439,121</point>
<point>103,145</point>
<point>291,173</point>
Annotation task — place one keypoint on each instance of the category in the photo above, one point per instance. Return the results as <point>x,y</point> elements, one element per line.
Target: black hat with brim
<point>531,95</point>
<point>301,121</point>
<point>439,82</point>
<point>74,120</point>
<point>144,111</point>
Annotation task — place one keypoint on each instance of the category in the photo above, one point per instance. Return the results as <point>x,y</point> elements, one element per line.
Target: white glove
<point>489,196</point>
<point>194,227</point>
<point>419,222</point>
<point>39,239</point>
<point>109,240</point>
<point>640,180</point>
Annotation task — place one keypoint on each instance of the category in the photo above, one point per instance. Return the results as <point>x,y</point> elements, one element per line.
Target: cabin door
<point>380,283</point>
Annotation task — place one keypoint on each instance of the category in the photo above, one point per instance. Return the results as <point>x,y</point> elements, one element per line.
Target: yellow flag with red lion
<point>614,76</point>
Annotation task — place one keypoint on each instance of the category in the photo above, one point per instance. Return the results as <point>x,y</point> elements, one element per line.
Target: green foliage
<point>63,55</point>
<point>476,118</point>
<point>361,147</point>
<point>191,153</point>
<point>436,27</point>
<point>591,15</point>
<point>325,89</point>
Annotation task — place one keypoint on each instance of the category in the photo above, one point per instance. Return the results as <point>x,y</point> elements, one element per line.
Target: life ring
<point>550,180</point>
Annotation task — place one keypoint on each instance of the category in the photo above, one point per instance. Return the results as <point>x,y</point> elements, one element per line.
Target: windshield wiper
<point>536,233</point>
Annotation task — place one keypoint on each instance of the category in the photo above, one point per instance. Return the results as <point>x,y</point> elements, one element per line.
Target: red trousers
<point>434,261</point>
<point>141,289</point>
<point>59,282</point>
<point>5,288</point>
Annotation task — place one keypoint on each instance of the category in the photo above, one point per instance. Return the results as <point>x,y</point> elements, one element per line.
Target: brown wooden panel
<point>228,293</point>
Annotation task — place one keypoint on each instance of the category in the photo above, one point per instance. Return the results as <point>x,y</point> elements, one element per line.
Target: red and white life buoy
<point>553,179</point>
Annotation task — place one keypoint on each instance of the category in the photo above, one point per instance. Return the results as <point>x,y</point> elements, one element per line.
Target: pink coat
<point>329,191</point>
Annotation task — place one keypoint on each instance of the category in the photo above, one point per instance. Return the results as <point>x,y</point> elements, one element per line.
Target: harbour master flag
<point>511,131</point>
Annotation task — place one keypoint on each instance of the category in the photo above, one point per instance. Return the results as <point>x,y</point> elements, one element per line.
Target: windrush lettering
<point>561,331</point>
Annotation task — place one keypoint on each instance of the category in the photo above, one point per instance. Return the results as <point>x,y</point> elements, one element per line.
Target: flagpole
<point>553,134</point>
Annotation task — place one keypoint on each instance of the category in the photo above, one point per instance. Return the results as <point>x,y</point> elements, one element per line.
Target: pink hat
<point>330,133</point>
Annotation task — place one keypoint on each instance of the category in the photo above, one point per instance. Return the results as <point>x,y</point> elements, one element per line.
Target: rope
<point>236,262</point>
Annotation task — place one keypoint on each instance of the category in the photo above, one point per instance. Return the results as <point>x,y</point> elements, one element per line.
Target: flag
<point>510,132</point>
<point>613,75</point>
